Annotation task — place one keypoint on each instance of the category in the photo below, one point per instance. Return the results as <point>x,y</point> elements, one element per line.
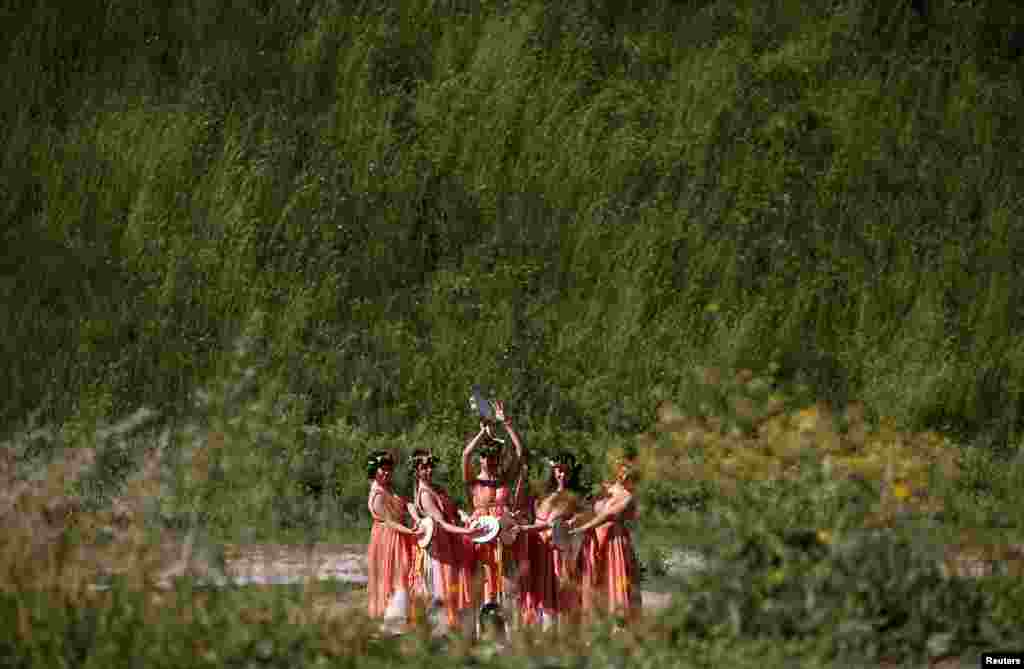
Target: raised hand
<point>499,411</point>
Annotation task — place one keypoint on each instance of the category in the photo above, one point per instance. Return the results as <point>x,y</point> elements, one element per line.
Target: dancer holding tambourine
<point>608,562</point>
<point>443,573</point>
<point>551,593</point>
<point>491,490</point>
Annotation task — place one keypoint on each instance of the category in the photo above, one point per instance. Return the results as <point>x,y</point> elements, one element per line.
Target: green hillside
<point>572,202</point>
<point>771,247</point>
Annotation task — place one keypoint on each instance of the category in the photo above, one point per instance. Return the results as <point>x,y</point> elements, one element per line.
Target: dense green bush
<point>853,596</point>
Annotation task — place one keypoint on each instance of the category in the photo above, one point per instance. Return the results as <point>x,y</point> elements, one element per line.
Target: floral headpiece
<point>491,446</point>
<point>376,460</point>
<point>563,459</point>
<point>625,470</point>
<point>423,458</point>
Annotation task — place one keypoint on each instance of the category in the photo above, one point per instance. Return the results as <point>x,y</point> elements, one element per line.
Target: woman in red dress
<point>551,594</point>
<point>491,491</point>
<point>608,561</point>
<point>390,554</point>
<point>444,567</point>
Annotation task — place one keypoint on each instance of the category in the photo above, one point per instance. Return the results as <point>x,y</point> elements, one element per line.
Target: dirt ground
<point>276,563</point>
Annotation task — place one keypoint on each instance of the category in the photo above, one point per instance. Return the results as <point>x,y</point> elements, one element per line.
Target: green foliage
<point>851,595</point>
<point>549,197</point>
<point>830,600</point>
<point>572,202</point>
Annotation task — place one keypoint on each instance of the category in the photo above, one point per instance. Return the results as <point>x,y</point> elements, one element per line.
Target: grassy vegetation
<point>572,202</point>
<point>576,203</point>
<point>796,563</point>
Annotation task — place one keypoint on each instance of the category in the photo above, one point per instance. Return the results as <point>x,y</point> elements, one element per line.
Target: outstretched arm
<point>612,508</point>
<point>433,511</point>
<point>545,524</point>
<point>467,455</point>
<point>564,512</point>
<point>381,511</point>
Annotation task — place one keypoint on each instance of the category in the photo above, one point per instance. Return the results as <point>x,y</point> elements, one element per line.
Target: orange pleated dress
<point>610,570</point>
<point>444,568</point>
<point>389,559</point>
<point>490,559</point>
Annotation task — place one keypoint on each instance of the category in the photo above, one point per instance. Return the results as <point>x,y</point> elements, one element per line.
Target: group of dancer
<point>525,574</point>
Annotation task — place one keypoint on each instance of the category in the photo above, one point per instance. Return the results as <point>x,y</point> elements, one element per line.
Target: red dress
<point>389,559</point>
<point>444,568</point>
<point>610,569</point>
<point>551,591</point>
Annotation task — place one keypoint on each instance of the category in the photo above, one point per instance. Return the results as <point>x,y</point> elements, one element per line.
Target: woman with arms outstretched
<point>608,561</point>
<point>444,570</point>
<point>551,594</point>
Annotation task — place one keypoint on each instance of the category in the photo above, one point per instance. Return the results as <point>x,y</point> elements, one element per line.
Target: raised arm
<point>512,466</point>
<point>467,456</point>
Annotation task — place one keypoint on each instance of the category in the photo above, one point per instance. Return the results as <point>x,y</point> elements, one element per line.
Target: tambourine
<point>489,523</point>
<point>565,542</point>
<point>427,525</point>
<point>480,404</point>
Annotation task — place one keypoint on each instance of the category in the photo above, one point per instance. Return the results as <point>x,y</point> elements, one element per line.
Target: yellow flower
<point>900,490</point>
<point>825,537</point>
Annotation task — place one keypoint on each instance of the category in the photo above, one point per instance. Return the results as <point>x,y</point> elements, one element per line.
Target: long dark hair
<point>375,461</point>
<point>421,457</point>
<point>567,460</point>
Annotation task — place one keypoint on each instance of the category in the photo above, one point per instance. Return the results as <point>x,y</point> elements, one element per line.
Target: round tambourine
<point>427,523</point>
<point>560,536</point>
<point>491,524</point>
<point>563,541</point>
<point>480,404</point>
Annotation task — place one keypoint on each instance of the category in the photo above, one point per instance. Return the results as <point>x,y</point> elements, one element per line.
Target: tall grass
<point>567,200</point>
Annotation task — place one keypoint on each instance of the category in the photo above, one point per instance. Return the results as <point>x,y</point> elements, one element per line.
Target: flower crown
<point>420,459</point>
<point>491,446</point>
<point>563,459</point>
<point>376,460</point>
<point>626,469</point>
